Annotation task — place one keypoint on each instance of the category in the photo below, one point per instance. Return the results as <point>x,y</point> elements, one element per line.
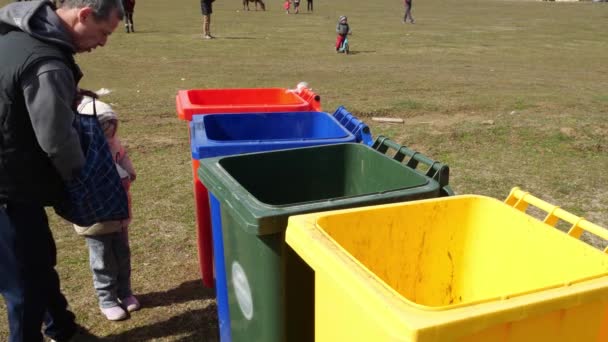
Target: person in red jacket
<point>129,6</point>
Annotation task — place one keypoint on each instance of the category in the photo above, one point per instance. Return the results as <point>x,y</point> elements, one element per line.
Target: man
<point>129,7</point>
<point>40,150</point>
<point>206,9</point>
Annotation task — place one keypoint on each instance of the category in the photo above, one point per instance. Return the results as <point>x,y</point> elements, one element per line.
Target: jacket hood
<point>104,111</point>
<point>38,19</point>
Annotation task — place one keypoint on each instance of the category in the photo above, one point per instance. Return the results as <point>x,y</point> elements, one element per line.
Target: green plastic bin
<point>270,289</point>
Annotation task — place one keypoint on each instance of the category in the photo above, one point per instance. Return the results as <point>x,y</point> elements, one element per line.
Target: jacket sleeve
<point>124,161</point>
<point>49,91</point>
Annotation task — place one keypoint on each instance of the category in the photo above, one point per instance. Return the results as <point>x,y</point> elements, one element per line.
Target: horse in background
<point>246,4</point>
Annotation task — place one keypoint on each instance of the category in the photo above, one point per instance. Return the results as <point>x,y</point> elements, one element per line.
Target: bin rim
<point>199,152</point>
<point>318,216</point>
<point>303,228</point>
<point>186,109</point>
<point>236,89</point>
<point>258,211</point>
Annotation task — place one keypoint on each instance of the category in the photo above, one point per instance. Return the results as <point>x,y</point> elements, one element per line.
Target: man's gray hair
<point>102,9</point>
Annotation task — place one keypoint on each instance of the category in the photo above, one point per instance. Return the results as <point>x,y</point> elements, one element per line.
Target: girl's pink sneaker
<point>115,313</point>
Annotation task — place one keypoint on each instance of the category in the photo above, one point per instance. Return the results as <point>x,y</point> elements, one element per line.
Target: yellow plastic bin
<point>463,268</point>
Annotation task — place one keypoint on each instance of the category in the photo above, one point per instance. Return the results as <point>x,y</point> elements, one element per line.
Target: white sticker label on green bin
<point>242,290</point>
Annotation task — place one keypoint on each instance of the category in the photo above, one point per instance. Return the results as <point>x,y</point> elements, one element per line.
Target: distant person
<point>408,11</point>
<point>296,6</point>
<point>206,9</point>
<point>129,6</point>
<point>309,5</point>
<point>343,30</point>
<point>41,151</point>
<point>108,242</point>
<point>286,6</point>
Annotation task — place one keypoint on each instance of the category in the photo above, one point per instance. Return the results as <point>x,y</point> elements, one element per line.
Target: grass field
<point>508,93</point>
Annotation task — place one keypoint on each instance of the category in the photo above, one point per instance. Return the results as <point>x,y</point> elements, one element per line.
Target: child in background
<point>129,6</point>
<point>343,30</point>
<point>296,6</point>
<point>286,6</point>
<point>108,242</point>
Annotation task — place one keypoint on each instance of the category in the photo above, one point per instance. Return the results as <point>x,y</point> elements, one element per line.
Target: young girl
<point>108,242</point>
<point>286,6</point>
<point>343,30</point>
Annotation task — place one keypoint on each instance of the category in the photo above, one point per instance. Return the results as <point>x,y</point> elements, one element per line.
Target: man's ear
<point>84,13</point>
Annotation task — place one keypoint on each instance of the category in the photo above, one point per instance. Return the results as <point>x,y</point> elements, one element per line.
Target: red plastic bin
<point>245,100</point>
<point>231,101</point>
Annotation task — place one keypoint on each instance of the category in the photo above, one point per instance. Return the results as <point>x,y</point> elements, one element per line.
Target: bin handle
<point>437,171</point>
<point>357,127</point>
<point>520,200</point>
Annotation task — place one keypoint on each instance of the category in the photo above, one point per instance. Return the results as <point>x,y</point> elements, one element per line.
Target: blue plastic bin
<point>214,135</point>
<point>220,135</point>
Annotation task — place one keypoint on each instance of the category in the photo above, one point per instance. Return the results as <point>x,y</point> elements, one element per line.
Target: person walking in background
<point>108,242</point>
<point>40,150</point>
<point>129,7</point>
<point>296,6</point>
<point>408,11</point>
<point>286,6</point>
<point>342,29</point>
<point>206,9</point>
<point>309,5</point>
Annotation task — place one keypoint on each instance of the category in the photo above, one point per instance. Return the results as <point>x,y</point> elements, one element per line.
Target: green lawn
<point>508,93</point>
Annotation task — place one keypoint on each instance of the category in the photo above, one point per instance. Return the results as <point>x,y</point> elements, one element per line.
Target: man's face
<point>90,33</point>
